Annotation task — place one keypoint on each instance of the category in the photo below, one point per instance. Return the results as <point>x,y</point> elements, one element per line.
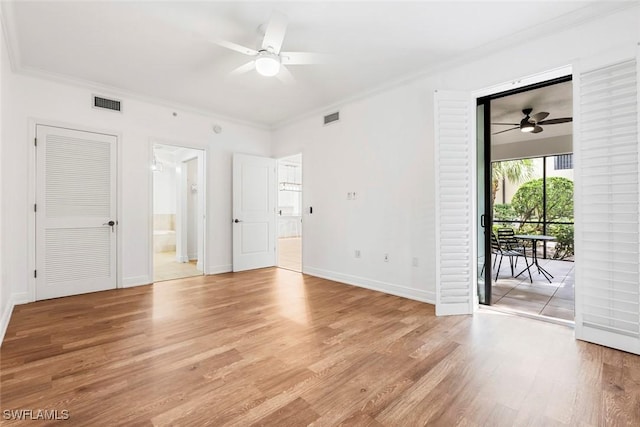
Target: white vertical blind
<point>454,208</point>
<point>607,206</point>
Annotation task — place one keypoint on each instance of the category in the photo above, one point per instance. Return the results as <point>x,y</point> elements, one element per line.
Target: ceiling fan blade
<point>244,68</point>
<point>503,131</point>
<point>537,129</point>
<point>507,124</point>
<point>285,76</point>
<point>274,35</point>
<point>539,116</point>
<point>301,58</point>
<point>236,47</point>
<point>556,121</point>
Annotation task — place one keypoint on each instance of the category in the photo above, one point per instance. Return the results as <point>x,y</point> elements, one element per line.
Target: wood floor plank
<point>277,348</point>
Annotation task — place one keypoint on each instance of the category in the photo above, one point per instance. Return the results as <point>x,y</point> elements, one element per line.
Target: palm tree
<point>514,171</point>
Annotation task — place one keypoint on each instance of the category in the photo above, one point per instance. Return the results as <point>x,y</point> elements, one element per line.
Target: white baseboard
<point>14,299</point>
<point>129,282</point>
<point>374,285</point>
<point>6,316</point>
<point>219,269</point>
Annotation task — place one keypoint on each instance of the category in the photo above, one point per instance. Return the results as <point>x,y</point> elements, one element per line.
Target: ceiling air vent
<point>107,104</point>
<point>333,117</point>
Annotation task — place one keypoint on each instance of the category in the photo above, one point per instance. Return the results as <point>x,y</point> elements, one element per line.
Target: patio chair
<point>497,249</point>
<point>508,241</point>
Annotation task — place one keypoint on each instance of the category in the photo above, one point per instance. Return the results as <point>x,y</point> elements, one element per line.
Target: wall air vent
<point>333,117</point>
<point>107,104</point>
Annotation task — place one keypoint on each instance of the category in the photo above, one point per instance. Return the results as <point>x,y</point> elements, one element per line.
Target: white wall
<point>139,124</point>
<point>383,150</point>
<point>164,185</point>
<point>378,151</point>
<point>5,286</point>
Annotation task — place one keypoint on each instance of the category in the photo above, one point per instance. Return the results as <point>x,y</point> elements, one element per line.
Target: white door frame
<point>205,241</point>
<point>182,210</point>
<point>33,122</point>
<point>501,87</point>
<point>302,212</point>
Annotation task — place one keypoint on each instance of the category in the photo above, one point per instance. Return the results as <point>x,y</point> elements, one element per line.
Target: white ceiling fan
<point>269,60</point>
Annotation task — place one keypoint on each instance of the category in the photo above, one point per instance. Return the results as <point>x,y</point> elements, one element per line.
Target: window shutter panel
<point>607,205</point>
<point>454,207</point>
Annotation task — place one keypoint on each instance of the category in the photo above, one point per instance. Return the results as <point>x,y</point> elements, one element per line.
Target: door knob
<point>110,224</point>
<point>237,220</point>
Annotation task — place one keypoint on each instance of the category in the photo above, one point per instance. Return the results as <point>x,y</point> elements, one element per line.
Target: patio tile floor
<point>555,299</point>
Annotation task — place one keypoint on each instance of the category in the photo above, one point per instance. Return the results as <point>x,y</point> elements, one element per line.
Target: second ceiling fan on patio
<point>533,123</point>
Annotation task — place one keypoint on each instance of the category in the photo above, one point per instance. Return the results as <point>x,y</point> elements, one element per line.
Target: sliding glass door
<point>483,202</point>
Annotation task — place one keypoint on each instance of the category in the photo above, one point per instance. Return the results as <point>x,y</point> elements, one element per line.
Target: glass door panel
<point>483,218</point>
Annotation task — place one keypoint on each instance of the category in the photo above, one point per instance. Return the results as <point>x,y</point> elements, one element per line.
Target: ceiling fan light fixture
<point>526,125</point>
<point>267,63</point>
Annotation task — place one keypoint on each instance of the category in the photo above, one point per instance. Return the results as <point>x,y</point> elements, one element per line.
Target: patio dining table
<point>535,238</point>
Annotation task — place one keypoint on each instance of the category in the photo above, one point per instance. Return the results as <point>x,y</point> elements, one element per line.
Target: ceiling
<point>162,50</point>
<point>557,100</point>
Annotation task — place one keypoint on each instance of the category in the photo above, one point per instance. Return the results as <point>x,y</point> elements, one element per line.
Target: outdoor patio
<point>554,299</point>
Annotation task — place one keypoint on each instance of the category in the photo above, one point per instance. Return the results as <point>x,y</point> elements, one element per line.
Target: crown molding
<point>108,90</point>
<point>11,42</point>
<point>583,15</point>
<point>10,35</point>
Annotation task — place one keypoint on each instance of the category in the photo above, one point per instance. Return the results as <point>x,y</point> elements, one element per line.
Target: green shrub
<point>564,238</point>
<point>527,202</point>
<point>504,212</point>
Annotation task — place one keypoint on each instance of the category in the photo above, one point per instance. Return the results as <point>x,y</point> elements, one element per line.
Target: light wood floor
<point>165,267</point>
<point>290,253</point>
<point>273,347</point>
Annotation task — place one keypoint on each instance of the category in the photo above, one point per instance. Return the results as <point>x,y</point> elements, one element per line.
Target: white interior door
<point>455,265</point>
<point>254,212</point>
<point>607,186</point>
<point>75,202</point>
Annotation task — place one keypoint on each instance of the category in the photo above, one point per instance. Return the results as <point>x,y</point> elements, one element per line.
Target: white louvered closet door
<point>76,199</point>
<point>607,203</point>
<point>454,204</point>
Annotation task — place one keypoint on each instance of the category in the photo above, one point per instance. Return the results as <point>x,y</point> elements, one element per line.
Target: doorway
<point>525,200</point>
<point>290,213</point>
<point>178,212</point>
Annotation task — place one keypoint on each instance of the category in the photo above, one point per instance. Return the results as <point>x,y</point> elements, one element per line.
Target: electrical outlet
<point>357,253</point>
<point>386,257</point>
<point>415,261</point>
<point>354,195</point>
<point>349,196</point>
